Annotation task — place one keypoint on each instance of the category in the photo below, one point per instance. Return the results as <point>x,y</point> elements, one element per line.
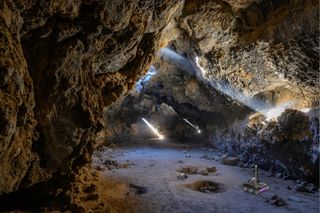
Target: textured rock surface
<point>259,48</point>
<point>264,49</point>
<point>16,113</point>
<point>63,62</point>
<point>267,50</point>
<point>288,149</point>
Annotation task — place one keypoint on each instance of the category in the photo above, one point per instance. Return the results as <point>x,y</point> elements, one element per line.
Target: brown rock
<point>191,170</point>
<point>60,70</point>
<point>89,189</point>
<point>211,169</point>
<point>230,161</point>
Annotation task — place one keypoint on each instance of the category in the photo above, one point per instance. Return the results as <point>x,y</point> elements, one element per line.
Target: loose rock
<point>182,176</point>
<point>277,201</point>
<point>230,161</point>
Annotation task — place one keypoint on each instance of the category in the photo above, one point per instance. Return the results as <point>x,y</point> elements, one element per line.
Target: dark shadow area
<point>40,197</point>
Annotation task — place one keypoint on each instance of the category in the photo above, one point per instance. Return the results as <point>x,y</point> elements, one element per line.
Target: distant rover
<point>254,186</point>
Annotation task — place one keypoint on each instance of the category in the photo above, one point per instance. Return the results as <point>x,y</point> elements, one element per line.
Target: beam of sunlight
<point>192,125</point>
<point>305,110</point>
<point>227,89</point>
<point>172,109</point>
<point>271,113</point>
<point>275,112</point>
<point>154,130</point>
<point>145,79</point>
<point>188,65</point>
<point>193,66</point>
<point>175,59</point>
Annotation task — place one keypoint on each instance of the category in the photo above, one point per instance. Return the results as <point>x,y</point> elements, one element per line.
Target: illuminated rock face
<point>63,62</point>
<point>259,49</point>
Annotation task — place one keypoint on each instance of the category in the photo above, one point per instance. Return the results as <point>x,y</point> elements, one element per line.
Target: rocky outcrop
<point>287,148</point>
<point>261,48</point>
<point>17,121</point>
<point>62,63</point>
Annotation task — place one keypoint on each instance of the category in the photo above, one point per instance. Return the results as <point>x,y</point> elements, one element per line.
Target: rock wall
<point>62,63</point>
<point>287,148</point>
<point>258,48</point>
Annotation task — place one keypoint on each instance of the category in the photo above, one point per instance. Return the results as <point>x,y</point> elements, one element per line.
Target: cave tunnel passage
<point>180,138</point>
<point>181,141</point>
<point>159,106</point>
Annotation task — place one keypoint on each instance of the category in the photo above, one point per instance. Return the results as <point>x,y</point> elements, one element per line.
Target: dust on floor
<point>151,173</point>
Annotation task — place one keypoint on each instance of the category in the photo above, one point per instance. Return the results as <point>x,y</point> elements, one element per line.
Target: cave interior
<point>159,106</point>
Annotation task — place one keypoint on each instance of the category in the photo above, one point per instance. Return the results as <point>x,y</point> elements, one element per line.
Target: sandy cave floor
<point>150,170</point>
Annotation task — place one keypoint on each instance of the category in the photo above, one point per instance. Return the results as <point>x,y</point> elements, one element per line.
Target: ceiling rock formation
<point>62,63</point>
<point>266,48</point>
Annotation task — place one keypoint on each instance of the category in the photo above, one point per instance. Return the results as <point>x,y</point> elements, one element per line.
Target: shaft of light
<point>275,112</point>
<point>145,79</point>
<point>305,110</point>
<point>154,130</point>
<point>271,113</point>
<point>172,109</point>
<point>229,90</point>
<point>194,126</point>
<point>175,59</point>
<point>193,66</point>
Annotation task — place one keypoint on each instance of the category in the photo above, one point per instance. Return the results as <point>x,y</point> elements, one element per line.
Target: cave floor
<point>151,169</point>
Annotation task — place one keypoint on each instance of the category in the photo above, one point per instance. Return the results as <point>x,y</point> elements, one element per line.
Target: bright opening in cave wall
<point>143,81</point>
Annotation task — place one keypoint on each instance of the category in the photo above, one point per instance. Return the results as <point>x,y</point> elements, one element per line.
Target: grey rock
<point>230,161</point>
<point>182,176</point>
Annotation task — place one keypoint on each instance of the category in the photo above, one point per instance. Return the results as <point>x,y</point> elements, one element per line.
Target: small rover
<point>254,186</point>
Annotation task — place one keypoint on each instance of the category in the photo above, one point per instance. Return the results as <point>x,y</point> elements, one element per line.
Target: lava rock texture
<point>62,63</point>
